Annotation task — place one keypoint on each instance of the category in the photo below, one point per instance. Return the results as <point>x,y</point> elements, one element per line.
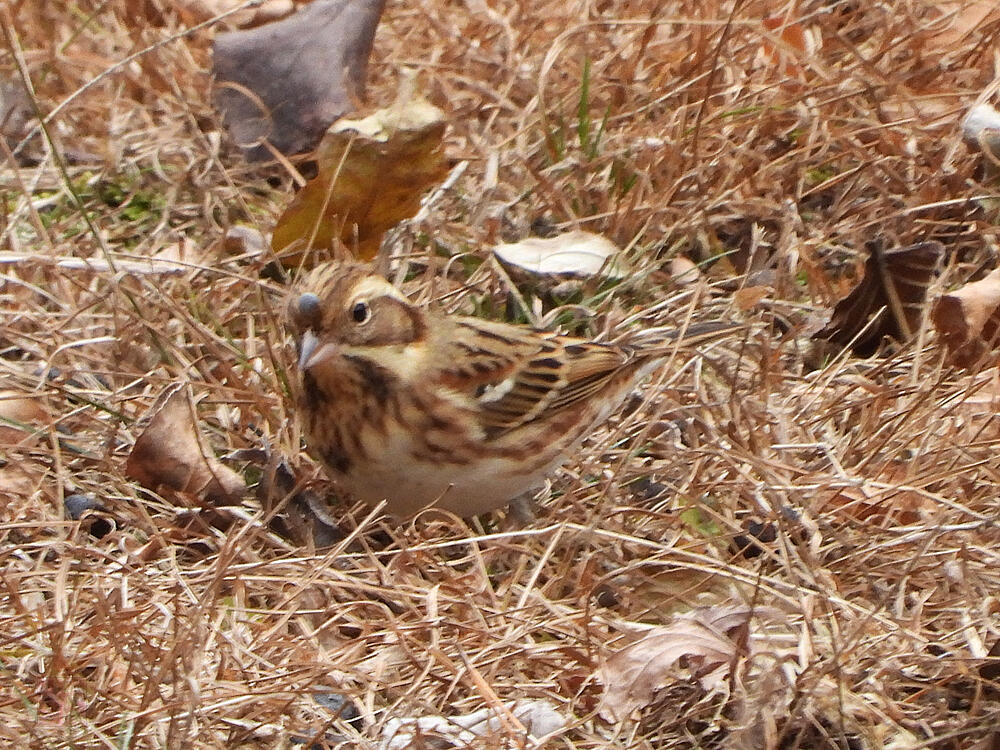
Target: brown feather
<point>420,408</point>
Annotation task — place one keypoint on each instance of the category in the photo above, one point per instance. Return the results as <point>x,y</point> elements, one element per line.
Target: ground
<point>840,508</point>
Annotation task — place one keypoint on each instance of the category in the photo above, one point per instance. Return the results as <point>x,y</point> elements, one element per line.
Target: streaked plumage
<point>420,408</point>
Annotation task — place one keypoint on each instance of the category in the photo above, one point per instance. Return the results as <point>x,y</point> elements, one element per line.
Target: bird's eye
<point>361,312</point>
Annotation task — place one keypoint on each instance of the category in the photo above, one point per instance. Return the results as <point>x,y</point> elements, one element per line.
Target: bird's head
<point>345,309</point>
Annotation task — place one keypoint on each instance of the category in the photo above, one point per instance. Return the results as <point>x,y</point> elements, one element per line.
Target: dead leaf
<point>931,110</point>
<point>749,297</point>
<point>576,254</point>
<point>21,479</point>
<point>704,640</point>
<point>187,253</point>
<point>171,453</point>
<point>977,415</point>
<point>990,670</point>
<point>789,43</point>
<point>684,271</point>
<point>286,82</point>
<point>21,416</point>
<point>981,130</point>
<point>893,288</point>
<point>537,717</point>
<point>372,174</point>
<point>244,241</point>
<point>960,19</point>
<point>877,504</point>
<point>990,742</point>
<point>968,321</point>
<point>665,589</point>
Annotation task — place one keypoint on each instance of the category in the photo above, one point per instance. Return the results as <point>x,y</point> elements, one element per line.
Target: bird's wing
<point>518,375</point>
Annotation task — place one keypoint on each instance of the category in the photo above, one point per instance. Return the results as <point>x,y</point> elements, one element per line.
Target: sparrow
<point>419,408</point>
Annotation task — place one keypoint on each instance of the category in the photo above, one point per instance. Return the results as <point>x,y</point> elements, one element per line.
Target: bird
<point>419,408</point>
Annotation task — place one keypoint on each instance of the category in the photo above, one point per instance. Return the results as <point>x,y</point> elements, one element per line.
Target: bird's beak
<point>311,353</point>
<point>308,346</point>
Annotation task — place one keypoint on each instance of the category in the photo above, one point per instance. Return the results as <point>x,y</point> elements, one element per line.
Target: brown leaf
<point>705,639</point>
<point>749,297</point>
<point>20,414</point>
<point>977,411</point>
<point>931,109</point>
<point>171,453</point>
<point>372,174</point>
<point>21,479</point>
<point>287,81</point>
<point>878,505</point>
<point>968,321</point>
<point>789,42</point>
<point>960,19</point>
<point>893,287</point>
<point>990,742</point>
<point>990,670</point>
<point>244,241</point>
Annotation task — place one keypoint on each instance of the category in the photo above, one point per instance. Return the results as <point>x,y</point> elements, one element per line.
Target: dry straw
<point>684,127</point>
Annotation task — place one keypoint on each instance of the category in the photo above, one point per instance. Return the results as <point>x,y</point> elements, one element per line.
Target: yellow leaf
<point>372,174</point>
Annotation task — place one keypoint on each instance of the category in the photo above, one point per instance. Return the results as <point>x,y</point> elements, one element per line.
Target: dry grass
<point>878,476</point>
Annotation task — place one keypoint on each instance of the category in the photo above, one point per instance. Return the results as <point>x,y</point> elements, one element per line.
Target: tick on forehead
<point>309,310</point>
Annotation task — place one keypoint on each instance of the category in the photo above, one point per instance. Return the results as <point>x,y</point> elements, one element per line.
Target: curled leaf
<point>968,321</point>
<point>575,254</point>
<point>888,301</point>
<point>981,130</point>
<point>787,43</point>
<point>21,415</point>
<point>171,453</point>
<point>705,639</point>
<point>372,174</point>
<point>684,271</point>
<point>748,297</point>
<point>959,21</point>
